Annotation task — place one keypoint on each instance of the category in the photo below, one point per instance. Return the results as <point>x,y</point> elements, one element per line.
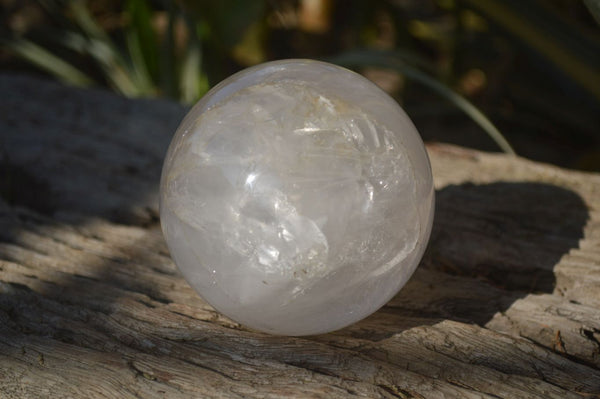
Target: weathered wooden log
<point>506,302</point>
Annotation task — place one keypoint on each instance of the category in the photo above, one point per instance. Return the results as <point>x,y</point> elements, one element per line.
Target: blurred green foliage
<point>532,66</point>
<point>136,62</point>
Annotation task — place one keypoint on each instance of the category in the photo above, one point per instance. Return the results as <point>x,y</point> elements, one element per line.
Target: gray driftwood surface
<point>506,302</point>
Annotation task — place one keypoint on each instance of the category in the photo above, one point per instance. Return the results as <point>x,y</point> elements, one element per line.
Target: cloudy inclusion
<point>282,203</point>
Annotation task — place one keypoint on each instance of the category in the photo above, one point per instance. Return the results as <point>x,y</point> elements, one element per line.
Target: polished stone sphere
<point>296,197</point>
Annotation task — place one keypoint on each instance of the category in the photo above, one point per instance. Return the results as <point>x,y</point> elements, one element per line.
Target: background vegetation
<point>460,68</point>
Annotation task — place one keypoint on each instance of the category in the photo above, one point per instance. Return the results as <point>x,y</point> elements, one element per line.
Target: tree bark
<point>504,304</point>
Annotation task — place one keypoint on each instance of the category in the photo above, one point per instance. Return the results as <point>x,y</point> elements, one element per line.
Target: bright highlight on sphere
<point>296,197</point>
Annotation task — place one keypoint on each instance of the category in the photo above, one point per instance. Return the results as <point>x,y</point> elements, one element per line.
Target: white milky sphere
<point>296,197</point>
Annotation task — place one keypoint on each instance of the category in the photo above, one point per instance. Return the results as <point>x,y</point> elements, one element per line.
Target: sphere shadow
<point>491,245</point>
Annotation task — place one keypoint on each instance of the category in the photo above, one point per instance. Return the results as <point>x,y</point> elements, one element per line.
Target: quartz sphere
<point>296,197</point>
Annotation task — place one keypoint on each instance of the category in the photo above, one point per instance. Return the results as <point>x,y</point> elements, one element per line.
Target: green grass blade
<point>104,55</point>
<point>528,21</point>
<point>594,7</point>
<point>119,78</point>
<point>378,59</point>
<point>73,41</point>
<point>190,75</point>
<point>140,27</point>
<point>114,69</point>
<point>118,72</point>
<point>139,68</point>
<point>86,22</point>
<point>52,64</point>
<point>193,81</point>
<point>106,59</point>
<point>465,105</point>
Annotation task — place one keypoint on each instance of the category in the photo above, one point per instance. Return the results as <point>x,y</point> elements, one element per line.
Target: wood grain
<point>505,303</point>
